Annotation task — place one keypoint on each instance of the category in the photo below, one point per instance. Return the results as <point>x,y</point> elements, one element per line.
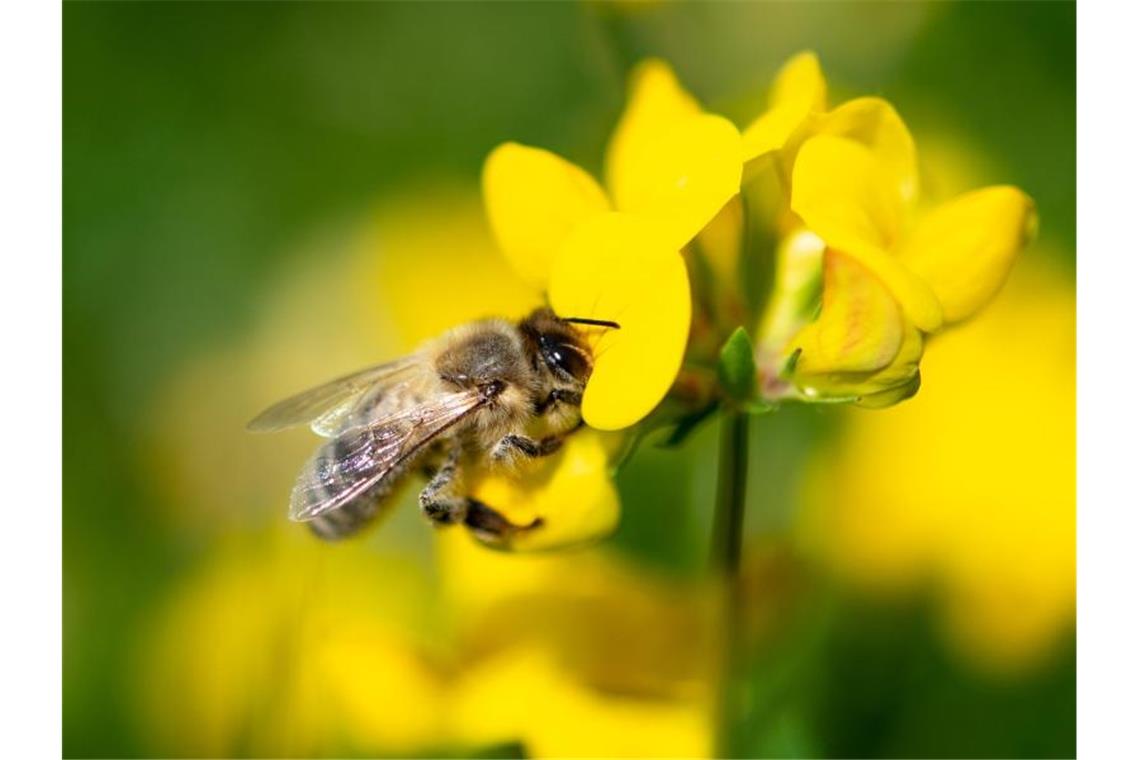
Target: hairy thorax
<point>490,355</point>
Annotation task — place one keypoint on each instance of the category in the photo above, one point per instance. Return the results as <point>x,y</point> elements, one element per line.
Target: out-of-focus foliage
<point>260,196</point>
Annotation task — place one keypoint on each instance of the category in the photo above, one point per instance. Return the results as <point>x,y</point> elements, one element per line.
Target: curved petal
<point>859,328</point>
<point>896,393</point>
<point>843,195</point>
<point>874,123</point>
<point>624,268</point>
<point>799,90</point>
<point>861,348</point>
<point>681,176</point>
<point>656,101</point>
<point>533,199</point>
<point>571,492</point>
<point>795,293</point>
<point>965,248</point>
<point>899,380</point>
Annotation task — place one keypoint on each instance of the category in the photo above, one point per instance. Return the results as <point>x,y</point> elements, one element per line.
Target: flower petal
<point>860,327</point>
<point>966,247</point>
<point>799,90</point>
<point>795,293</point>
<point>626,269</point>
<point>846,197</point>
<point>533,199</point>
<point>720,242</point>
<point>860,349</point>
<point>668,160</point>
<point>571,492</point>
<point>875,123</point>
<point>656,102</point>
<point>681,176</point>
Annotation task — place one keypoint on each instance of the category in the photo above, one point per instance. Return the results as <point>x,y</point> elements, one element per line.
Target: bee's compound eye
<point>569,360</point>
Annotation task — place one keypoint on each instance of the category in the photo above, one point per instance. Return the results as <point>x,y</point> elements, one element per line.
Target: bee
<point>485,394</point>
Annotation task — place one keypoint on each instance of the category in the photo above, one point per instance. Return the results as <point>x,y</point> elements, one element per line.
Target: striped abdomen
<point>353,515</point>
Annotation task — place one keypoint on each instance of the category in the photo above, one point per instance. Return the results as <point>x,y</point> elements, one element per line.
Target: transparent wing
<point>356,462</point>
<point>324,400</point>
<point>361,409</point>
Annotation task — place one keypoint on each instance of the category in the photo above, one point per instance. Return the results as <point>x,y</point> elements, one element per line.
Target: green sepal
<point>736,369</point>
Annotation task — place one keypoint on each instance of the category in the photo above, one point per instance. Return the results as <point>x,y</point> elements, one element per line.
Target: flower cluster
<point>616,255</point>
<point>864,274</point>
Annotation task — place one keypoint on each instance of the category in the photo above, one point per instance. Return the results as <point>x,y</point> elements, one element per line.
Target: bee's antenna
<point>595,322</point>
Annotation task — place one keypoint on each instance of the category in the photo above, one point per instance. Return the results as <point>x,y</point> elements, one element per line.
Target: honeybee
<point>484,394</point>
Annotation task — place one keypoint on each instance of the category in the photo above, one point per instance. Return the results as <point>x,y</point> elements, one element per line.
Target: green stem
<point>728,531</point>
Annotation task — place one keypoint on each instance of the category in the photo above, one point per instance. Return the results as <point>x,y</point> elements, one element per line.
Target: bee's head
<point>557,345</point>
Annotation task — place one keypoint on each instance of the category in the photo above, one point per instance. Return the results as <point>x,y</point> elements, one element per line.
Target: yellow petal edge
<point>625,268</point>
<point>656,101</point>
<point>533,199</point>
<point>682,176</point>
<point>799,89</point>
<point>966,247</point>
<point>842,195</point>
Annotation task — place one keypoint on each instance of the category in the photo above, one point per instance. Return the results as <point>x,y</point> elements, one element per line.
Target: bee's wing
<point>350,465</point>
<point>323,400</point>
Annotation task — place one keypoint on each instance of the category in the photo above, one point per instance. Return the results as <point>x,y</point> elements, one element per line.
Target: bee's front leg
<point>441,500</point>
<point>514,444</point>
<point>490,526</point>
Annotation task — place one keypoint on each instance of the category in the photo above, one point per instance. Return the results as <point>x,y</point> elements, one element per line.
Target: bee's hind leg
<point>440,500</point>
<point>490,526</point>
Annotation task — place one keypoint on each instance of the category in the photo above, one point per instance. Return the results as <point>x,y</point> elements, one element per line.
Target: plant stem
<point>728,530</point>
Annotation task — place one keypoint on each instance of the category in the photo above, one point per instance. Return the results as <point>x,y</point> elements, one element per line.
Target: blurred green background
<point>217,155</point>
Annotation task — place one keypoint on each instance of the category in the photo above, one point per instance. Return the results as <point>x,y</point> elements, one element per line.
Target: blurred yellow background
<point>260,197</point>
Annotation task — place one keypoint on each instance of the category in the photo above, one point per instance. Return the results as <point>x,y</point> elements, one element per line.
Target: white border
<point>1108,372</point>
<point>30,344</point>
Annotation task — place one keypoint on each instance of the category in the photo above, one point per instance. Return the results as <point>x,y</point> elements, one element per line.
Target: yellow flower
<point>282,646</point>
<point>571,493</point>
<point>984,510</point>
<point>581,654</point>
<point>798,110</point>
<point>941,267</point>
<point>670,168</point>
<point>889,276</point>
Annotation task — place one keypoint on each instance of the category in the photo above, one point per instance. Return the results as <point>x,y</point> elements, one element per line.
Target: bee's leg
<point>440,499</point>
<point>490,526</point>
<point>513,444</point>
<point>558,396</point>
